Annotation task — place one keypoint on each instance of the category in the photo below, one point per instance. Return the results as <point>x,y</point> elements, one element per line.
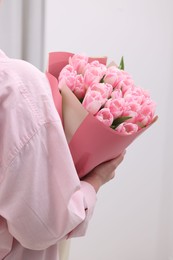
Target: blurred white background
<point>133,219</point>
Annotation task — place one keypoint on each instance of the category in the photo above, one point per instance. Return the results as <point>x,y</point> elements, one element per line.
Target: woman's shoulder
<point>20,80</point>
<point>21,75</point>
<point>21,68</point>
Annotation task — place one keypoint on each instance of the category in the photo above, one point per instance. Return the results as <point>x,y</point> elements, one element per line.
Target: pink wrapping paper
<point>90,141</point>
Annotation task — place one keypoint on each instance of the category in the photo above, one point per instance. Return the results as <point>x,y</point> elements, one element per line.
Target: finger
<point>118,159</point>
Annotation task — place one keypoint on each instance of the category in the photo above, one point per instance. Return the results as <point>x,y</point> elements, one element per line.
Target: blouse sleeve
<point>41,197</point>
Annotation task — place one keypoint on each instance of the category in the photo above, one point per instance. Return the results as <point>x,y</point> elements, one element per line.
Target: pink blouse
<point>42,200</point>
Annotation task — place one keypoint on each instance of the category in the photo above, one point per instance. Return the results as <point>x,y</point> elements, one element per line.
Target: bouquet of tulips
<point>101,107</point>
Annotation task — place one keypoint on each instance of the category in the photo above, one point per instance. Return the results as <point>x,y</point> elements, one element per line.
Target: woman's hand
<point>103,172</point>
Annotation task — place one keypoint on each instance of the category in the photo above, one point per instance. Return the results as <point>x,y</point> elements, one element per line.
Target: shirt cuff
<point>89,204</point>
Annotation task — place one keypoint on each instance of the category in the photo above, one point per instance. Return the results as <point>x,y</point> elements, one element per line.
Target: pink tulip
<point>78,62</point>
<point>104,115</point>
<point>127,128</point>
<point>131,109</point>
<point>117,77</point>
<point>67,71</point>
<point>94,72</point>
<point>67,77</point>
<point>79,88</point>
<point>116,93</point>
<point>69,81</point>
<point>146,114</point>
<point>96,64</point>
<point>93,101</point>
<point>111,76</point>
<point>104,89</point>
<point>116,106</point>
<point>134,93</point>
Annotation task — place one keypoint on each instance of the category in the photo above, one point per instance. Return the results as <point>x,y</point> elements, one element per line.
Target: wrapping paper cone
<point>90,141</point>
<point>94,143</point>
<point>56,94</point>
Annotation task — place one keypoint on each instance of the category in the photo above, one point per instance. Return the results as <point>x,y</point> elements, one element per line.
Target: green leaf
<point>102,79</point>
<point>119,120</point>
<point>121,66</point>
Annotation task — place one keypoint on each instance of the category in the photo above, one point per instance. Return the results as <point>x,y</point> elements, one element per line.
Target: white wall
<point>11,27</point>
<point>133,219</point>
<point>21,30</point>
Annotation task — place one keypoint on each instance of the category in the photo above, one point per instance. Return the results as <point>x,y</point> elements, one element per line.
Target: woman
<point>42,200</point>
